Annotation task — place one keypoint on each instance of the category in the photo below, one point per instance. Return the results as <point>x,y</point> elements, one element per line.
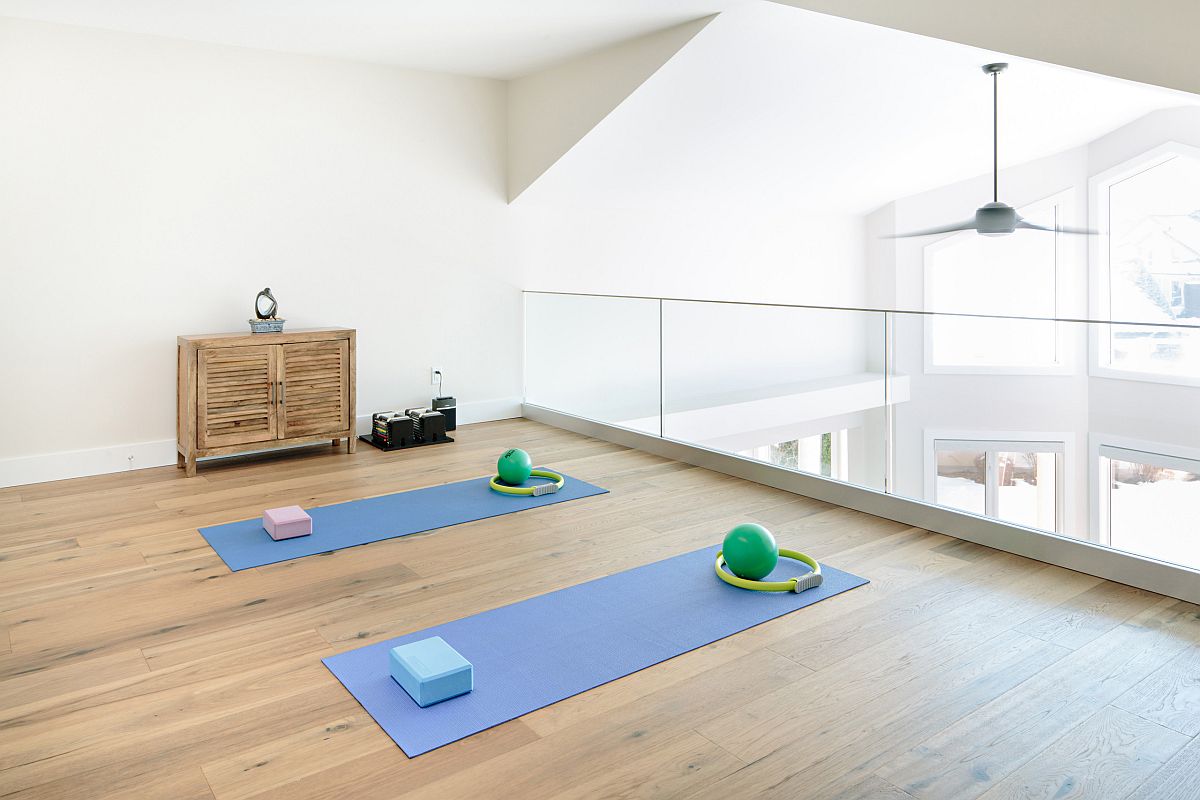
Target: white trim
<point>42,467</point>
<point>1063,355</point>
<point>1099,256</point>
<point>1152,458</point>
<point>1075,554</point>
<point>1061,442</point>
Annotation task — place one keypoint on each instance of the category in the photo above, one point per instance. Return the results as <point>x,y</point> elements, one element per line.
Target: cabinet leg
<point>336,442</point>
<point>190,466</point>
<point>180,461</point>
<point>351,443</point>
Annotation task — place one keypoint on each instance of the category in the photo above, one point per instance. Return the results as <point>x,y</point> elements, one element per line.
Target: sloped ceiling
<point>1153,41</point>
<point>784,108</point>
<point>550,111</point>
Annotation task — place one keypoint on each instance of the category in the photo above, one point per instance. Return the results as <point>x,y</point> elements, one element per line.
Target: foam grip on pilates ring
<point>536,490</point>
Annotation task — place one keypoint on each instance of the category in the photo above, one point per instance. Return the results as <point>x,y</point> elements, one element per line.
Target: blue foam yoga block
<point>431,670</point>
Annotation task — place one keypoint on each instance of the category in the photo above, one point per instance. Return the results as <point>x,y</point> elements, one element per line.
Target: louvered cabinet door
<point>314,395</point>
<point>235,398</point>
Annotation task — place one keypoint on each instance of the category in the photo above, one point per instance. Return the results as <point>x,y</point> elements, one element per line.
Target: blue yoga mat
<point>245,544</point>
<point>536,652</point>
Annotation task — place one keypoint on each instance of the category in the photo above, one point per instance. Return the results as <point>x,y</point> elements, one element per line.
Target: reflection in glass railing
<point>968,412</point>
<point>803,388</point>
<point>595,357</point>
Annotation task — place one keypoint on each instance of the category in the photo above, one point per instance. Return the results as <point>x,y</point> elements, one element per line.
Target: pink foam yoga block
<point>287,522</point>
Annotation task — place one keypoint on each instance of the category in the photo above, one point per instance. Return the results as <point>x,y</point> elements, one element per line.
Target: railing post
<point>662,378</point>
<point>889,430</point>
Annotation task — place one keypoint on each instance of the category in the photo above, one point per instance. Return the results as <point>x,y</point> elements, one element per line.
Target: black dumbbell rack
<point>371,440</point>
<point>405,432</point>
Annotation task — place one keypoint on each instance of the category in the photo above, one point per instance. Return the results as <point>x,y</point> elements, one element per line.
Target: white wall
<point>153,185</point>
<point>727,253</point>
<point>150,187</point>
<point>687,249</point>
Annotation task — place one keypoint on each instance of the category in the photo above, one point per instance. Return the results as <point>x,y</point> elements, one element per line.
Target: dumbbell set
<point>412,427</point>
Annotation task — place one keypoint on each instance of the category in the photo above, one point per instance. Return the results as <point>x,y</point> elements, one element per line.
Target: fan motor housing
<point>996,219</point>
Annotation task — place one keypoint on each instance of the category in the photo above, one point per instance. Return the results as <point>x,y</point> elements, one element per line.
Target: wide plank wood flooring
<point>134,664</point>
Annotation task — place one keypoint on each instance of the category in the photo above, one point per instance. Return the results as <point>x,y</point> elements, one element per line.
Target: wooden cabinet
<point>241,392</point>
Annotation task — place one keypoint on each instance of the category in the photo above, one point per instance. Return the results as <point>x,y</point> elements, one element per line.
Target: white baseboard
<point>489,410</point>
<point>44,467</point>
<point>79,463</point>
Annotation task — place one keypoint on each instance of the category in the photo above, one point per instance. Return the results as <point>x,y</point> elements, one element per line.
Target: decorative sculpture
<point>265,294</point>
<point>265,309</point>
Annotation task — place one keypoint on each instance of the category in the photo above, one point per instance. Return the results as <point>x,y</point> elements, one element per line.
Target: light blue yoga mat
<point>536,652</point>
<point>245,544</point>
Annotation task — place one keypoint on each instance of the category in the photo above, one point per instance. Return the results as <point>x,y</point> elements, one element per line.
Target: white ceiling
<point>772,106</point>
<point>488,38</point>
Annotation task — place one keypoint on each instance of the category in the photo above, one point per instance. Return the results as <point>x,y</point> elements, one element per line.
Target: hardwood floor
<point>134,664</point>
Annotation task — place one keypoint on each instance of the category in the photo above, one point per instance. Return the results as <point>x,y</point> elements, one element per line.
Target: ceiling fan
<point>994,218</point>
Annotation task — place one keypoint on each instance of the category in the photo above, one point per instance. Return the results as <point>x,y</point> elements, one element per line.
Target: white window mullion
<point>991,485</point>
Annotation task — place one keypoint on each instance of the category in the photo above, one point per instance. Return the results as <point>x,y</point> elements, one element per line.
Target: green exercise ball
<point>750,551</point>
<point>514,466</point>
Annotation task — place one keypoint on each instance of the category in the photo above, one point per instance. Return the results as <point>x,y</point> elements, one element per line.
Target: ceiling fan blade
<point>965,225</point>
<point>1026,224</point>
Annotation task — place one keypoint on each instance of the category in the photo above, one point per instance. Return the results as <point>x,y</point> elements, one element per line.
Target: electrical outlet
<point>436,375</point>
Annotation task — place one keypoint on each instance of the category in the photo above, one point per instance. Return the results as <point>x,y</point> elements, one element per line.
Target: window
<point>1148,504</point>
<point>1017,274</point>
<point>1149,264</point>
<point>822,454</point>
<point>1014,481</point>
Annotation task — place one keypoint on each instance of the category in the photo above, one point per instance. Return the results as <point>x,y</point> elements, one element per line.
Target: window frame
<point>1062,201</point>
<point>1061,443</point>
<point>1099,261</point>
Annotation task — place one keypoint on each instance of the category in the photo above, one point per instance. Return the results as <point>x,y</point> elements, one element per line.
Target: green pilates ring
<point>797,584</point>
<point>534,490</point>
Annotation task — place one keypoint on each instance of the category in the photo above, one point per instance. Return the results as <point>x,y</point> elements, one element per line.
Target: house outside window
<point>1148,266</point>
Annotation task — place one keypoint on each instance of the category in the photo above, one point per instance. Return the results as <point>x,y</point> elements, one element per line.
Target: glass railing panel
<point>1026,421</point>
<point>1075,428</point>
<point>800,388</point>
<point>594,357</point>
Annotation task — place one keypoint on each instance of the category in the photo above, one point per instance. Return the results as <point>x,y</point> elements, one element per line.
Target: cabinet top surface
<point>246,337</point>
